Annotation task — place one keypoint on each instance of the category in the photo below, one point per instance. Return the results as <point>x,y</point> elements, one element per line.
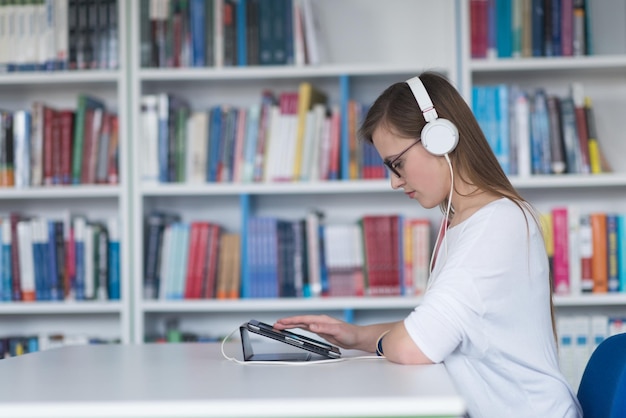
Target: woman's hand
<point>333,330</point>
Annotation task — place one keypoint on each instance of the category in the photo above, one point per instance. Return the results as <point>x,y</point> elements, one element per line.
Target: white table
<point>195,380</point>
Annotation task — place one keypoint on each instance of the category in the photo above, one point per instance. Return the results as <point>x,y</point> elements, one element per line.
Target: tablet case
<point>312,349</point>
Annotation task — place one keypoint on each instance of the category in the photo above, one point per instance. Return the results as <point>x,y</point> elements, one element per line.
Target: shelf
<point>278,305</point>
<point>356,186</point>
<point>61,192</point>
<point>609,299</point>
<point>570,180</point>
<point>548,64</point>
<point>52,308</point>
<point>360,186</point>
<point>275,72</point>
<point>308,304</point>
<point>60,77</point>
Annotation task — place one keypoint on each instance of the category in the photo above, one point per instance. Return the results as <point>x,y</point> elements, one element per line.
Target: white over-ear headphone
<point>439,136</point>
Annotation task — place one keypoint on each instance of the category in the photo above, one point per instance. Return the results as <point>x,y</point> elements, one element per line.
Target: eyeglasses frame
<point>390,164</point>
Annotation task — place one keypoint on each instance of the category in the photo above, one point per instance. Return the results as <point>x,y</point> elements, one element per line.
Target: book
<point>86,105</point>
<point>597,160</point>
<point>612,253</point>
<point>149,137</point>
<point>561,271</point>
<point>308,96</point>
<point>599,257</point>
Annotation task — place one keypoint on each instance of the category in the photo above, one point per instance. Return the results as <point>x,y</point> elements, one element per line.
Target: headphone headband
<point>439,136</point>
<point>422,98</point>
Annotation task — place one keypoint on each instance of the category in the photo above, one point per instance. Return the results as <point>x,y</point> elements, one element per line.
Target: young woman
<point>487,311</point>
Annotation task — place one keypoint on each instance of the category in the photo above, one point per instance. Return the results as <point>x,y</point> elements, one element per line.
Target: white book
<point>522,136</point>
<point>312,34</point>
<point>11,34</point>
<point>4,38</point>
<point>298,34</point>
<point>196,150</point>
<point>26,259</point>
<point>250,148</point>
<point>61,33</point>
<point>321,141</point>
<point>272,145</point>
<point>46,36</point>
<point>21,141</point>
<point>313,254</point>
<point>218,34</point>
<point>149,137</point>
<point>566,330</point>
<point>599,330</point>
<point>582,346</point>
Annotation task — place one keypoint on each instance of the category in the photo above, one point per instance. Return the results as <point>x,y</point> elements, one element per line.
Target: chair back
<point>602,390</point>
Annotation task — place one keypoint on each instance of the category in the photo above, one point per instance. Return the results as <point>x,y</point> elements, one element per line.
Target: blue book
<point>241,29</point>
<point>250,148</point>
<point>79,251</point>
<point>163,108</point>
<point>621,251</point>
<point>504,25</point>
<point>52,274</point>
<point>215,139</point>
<point>197,19</point>
<point>503,153</point>
<point>114,282</point>
<point>612,252</point>
<point>6,272</point>
<point>344,149</point>
<point>537,18</point>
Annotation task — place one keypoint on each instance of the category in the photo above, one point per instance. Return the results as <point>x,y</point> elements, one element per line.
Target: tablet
<point>312,349</point>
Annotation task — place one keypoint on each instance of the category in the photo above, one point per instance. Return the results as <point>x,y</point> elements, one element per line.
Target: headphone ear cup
<point>440,137</point>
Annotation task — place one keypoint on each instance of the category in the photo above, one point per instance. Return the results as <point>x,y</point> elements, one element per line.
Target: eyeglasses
<point>393,165</point>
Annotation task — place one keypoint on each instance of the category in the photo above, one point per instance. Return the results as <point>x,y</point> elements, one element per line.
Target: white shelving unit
<point>603,79</point>
<point>109,319</point>
<point>359,52</point>
<point>371,45</point>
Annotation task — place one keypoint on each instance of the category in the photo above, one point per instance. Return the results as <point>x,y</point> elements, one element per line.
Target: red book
<point>213,243</point>
<point>113,165</point>
<point>192,259</point>
<point>561,251</point>
<point>15,258</point>
<point>48,145</point>
<point>66,121</point>
<point>478,28</point>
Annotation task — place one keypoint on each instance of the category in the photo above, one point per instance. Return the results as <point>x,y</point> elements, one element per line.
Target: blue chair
<point>602,390</point>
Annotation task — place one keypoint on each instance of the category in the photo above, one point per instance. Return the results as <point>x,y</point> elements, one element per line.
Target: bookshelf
<point>601,73</point>
<point>73,319</point>
<point>345,73</point>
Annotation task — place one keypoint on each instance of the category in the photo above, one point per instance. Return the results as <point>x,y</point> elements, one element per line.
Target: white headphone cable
<point>444,222</point>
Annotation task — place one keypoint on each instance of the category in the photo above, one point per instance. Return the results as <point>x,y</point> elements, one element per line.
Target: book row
<point>537,132</point>
<point>587,250</point>
<point>530,28</point>
<point>223,33</point>
<point>49,35</point>
<point>376,256</point>
<point>293,137</point>
<point>17,345</point>
<point>45,146</point>
<point>56,260</point>
<point>579,336</point>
